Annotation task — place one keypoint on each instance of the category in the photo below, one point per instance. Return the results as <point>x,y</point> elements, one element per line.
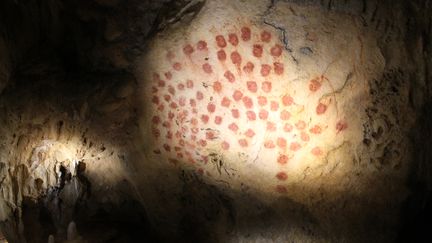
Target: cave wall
<point>80,142</point>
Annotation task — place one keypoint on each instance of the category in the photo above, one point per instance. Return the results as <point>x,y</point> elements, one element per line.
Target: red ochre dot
<point>341,125</point>
<point>218,120</point>
<point>243,142</point>
<point>201,45</point>
<point>168,75</point>
<point>233,127</point>
<point>249,67</point>
<point>316,151</point>
<point>304,136</point>
<point>281,189</point>
<point>194,121</point>
<point>202,142</point>
<point>314,85</point>
<point>265,36</point>
<point>207,68</point>
<point>170,115</point>
<point>276,50</point>
<point>225,145</point>
<point>155,100</point>
<point>211,107</point>
<point>282,176</point>
<point>265,70</point>
<point>282,159</point>
<point>248,103</point>
<point>225,102</point>
<point>166,147</point>
<point>156,120</point>
<point>278,68</point>
<point>161,107</point>
<point>192,102</point>
<point>221,55</point>
<point>285,115</point>
<point>199,95</point>
<point>263,114</point>
<point>262,100</point>
<point>156,132</point>
<point>182,101</point>
<point>169,135</point>
<point>180,86</point>
<point>287,100</point>
<point>194,130</point>
<point>251,115</point>
<point>269,144</point>
<point>204,118</point>
<point>177,66</point>
<point>321,109</point>
<point>245,33</point>
<point>300,125</point>
<point>171,89</point>
<point>217,86</point>
<point>229,76</point>
<point>281,142</point>
<point>210,135</point>
<point>315,129</point>
<point>288,127</point>
<point>266,86</point>
<point>252,86</point>
<point>257,50</point>
<point>188,49</point>
<point>233,39</point>
<point>235,113</point>
<point>220,41</point>
<point>237,95</point>
<point>294,146</point>
<point>274,106</point>
<point>161,83</point>
<point>173,105</point>
<point>236,58</point>
<point>249,133</point>
<point>189,84</point>
<point>271,126</point>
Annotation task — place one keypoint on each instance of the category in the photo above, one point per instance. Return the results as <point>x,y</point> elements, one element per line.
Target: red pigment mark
<point>182,101</point>
<point>294,146</point>
<point>271,126</point>
<point>225,145</point>
<point>278,68</point>
<point>168,75</point>
<point>192,102</point>
<point>285,115</point>
<point>194,130</point>
<point>248,103</point>
<point>170,55</point>
<point>179,155</point>
<point>315,129</point>
<point>321,109</point>
<point>156,132</point>
<point>249,133</point>
<point>221,55</point>
<point>249,67</point>
<point>180,86</point>
<point>263,114</point>
<point>269,144</point>
<point>161,107</point>
<point>202,142</point>
<point>287,100</point>
<point>262,100</point>
<point>199,95</point>
<point>276,50</point>
<point>233,39</point>
<point>220,41</point>
<point>236,58</point>
<point>207,68</point>
<point>225,102</point>
<point>252,86</point>
<point>265,70</point>
<point>169,135</point>
<point>281,189</point>
<point>341,125</point>
<point>243,142</point>
<point>188,49</point>
<point>177,149</point>
<point>237,95</point>
<point>257,50</point>
<point>235,113</point>
<point>274,106</point>
<point>210,135</point>
<point>316,151</point>
<point>194,121</point>
<point>170,115</point>
<point>218,120</point>
<point>287,127</point>
<point>166,147</point>
<point>281,142</point>
<point>233,127</point>
<point>314,85</point>
<point>281,176</point>
<point>154,89</point>
<point>178,134</point>
<point>189,84</point>
<point>245,33</point>
<point>266,86</point>
<point>171,89</point>
<point>161,83</point>
<point>173,105</point>
<point>251,115</point>
<point>211,107</point>
<point>304,136</point>
<point>229,76</point>
<point>202,45</point>
<point>204,118</point>
<point>265,36</point>
<point>282,159</point>
<point>157,151</point>
<point>300,125</point>
<point>177,66</point>
<point>155,100</point>
<point>217,86</point>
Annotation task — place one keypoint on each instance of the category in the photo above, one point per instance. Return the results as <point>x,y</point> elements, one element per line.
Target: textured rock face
<point>214,121</point>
